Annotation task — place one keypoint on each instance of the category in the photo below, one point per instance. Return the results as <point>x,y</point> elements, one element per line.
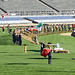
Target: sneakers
<point>3,32</point>
<point>73,58</point>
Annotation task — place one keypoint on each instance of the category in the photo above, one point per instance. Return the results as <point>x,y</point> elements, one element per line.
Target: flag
<point>38,26</point>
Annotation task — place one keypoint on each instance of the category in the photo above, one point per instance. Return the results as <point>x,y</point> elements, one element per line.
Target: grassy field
<point>13,60</point>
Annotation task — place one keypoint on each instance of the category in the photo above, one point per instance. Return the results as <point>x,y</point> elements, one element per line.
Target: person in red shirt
<point>56,28</point>
<point>73,26</point>
<point>3,28</point>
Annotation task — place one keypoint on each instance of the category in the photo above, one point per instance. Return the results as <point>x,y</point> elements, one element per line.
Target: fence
<point>31,13</point>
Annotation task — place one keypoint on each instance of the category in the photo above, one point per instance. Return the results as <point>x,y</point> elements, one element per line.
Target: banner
<point>39,26</point>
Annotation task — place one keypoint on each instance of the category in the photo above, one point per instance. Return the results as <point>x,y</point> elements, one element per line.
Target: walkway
<point>27,38</point>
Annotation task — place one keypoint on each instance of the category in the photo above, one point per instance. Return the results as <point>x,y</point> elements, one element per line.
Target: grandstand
<point>53,19</point>
<point>24,6</point>
<point>38,7</point>
<point>13,20</point>
<point>62,5</point>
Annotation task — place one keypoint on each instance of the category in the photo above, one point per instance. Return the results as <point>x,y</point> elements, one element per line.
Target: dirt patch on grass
<point>66,34</point>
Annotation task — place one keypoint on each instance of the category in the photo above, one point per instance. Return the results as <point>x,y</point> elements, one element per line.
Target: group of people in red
<point>31,29</point>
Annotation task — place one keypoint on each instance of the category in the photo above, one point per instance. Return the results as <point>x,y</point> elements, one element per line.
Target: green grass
<point>13,60</point>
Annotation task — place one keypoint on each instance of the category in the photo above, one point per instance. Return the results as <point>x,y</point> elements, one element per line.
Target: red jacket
<point>3,27</point>
<point>73,26</point>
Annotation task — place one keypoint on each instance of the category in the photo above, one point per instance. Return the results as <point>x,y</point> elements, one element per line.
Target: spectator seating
<point>23,5</point>
<point>61,4</point>
<point>51,19</point>
<point>13,20</point>
<point>36,6</point>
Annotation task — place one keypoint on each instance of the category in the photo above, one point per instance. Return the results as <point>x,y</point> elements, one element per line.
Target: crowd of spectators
<point>58,28</point>
<point>17,38</point>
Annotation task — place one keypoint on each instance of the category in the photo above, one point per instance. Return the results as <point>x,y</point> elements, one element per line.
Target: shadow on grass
<point>44,58</point>
<point>56,71</point>
<point>3,52</point>
<point>34,50</point>
<point>6,40</point>
<point>17,63</point>
<point>16,55</point>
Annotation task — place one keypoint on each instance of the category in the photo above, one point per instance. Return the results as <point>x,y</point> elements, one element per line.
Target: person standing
<point>47,28</point>
<point>42,46</point>
<point>53,28</point>
<point>56,28</point>
<point>14,38</point>
<point>69,27</point>
<point>20,39</point>
<point>73,26</point>
<point>3,28</point>
<point>36,39</point>
<point>62,27</point>
<point>65,28</point>
<point>59,28</point>
<point>10,30</point>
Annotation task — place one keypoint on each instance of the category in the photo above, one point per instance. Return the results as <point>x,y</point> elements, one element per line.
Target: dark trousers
<point>41,50</point>
<point>3,30</point>
<point>50,57</point>
<point>14,41</point>
<point>20,42</point>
